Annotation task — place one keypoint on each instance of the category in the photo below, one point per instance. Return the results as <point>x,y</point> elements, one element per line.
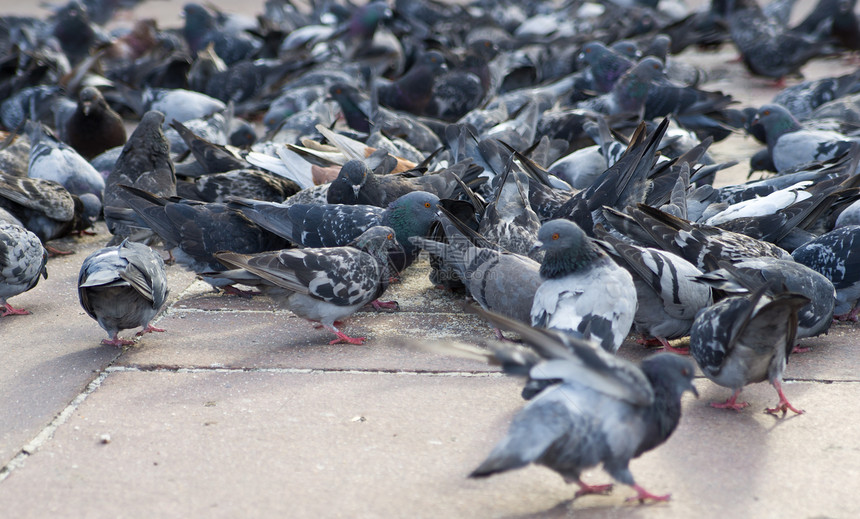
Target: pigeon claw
<point>149,329</point>
<point>232,290</point>
<point>799,349</point>
<point>643,495</point>
<point>116,341</point>
<point>586,489</point>
<point>783,404</point>
<point>731,403</point>
<point>343,338</point>
<point>388,305</point>
<point>9,310</point>
<point>685,350</point>
<point>53,251</point>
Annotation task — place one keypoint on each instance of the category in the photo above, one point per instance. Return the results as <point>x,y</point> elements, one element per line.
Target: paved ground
<point>241,409</point>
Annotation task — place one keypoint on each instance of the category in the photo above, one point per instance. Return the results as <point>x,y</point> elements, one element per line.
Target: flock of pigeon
<point>550,157</point>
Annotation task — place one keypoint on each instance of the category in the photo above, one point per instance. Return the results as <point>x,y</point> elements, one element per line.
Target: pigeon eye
<point>766,112</point>
<point>389,237</point>
<point>427,205</point>
<point>555,236</point>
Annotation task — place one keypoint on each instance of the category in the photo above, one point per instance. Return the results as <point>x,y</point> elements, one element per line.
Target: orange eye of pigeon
<point>555,236</point>
<point>338,91</point>
<point>766,112</point>
<point>427,204</point>
<point>390,237</point>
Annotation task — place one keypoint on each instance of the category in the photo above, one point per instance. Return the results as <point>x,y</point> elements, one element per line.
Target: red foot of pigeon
<point>84,232</point>
<point>642,495</point>
<point>53,251</point>
<point>9,310</point>
<point>116,341</point>
<point>149,329</point>
<point>586,489</point>
<point>388,305</point>
<point>731,403</point>
<point>798,349</point>
<point>671,349</point>
<point>233,291</point>
<point>344,338</point>
<point>653,341</point>
<point>850,316</point>
<point>783,404</point>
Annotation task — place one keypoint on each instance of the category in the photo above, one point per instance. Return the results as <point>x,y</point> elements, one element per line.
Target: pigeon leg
<point>642,495</point>
<point>850,316</point>
<point>343,338</point>
<point>783,404</point>
<point>586,489</point>
<point>671,349</point>
<point>731,403</point>
<point>388,305</point>
<point>53,251</point>
<point>116,341</point>
<point>799,349</point>
<point>232,290</point>
<point>7,309</point>
<point>149,329</point>
<point>653,341</point>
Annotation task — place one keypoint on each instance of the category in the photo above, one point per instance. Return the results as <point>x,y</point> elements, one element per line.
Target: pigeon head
<point>632,88</point>
<point>354,173</point>
<point>198,21</point>
<point>776,121</point>
<point>627,48</point>
<point>377,241</point>
<point>411,215</point>
<point>671,372</point>
<point>89,98</point>
<point>567,249</point>
<point>347,97</point>
<point>366,19</point>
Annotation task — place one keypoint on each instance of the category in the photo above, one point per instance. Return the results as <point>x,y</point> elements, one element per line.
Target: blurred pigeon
<point>94,127</point>
<point>747,339</point>
<point>606,66</point>
<point>791,145</point>
<point>145,164</point>
<point>413,91</point>
<point>325,284</point>
<point>51,159</point>
<point>244,183</point>
<point>604,410</point>
<point>212,157</point>
<point>667,293</point>
<point>836,255</point>
<point>201,28</point>
<point>181,105</point>
<point>356,183</point>
<point>584,292</point>
<point>123,287</point>
<point>22,260</point>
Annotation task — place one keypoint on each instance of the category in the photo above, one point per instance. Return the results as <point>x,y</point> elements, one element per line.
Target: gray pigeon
<point>747,339</point>
<point>145,164</point>
<point>123,287</point>
<point>22,260</point>
<point>325,284</point>
<point>666,290</point>
<point>584,292</point>
<point>51,159</point>
<point>782,276</point>
<point>499,281</point>
<point>603,410</point>
<point>792,145</point>
<point>836,255</point>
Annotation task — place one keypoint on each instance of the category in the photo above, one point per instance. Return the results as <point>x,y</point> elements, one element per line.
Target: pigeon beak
<point>86,106</point>
<point>536,247</point>
<point>356,189</point>
<point>694,390</point>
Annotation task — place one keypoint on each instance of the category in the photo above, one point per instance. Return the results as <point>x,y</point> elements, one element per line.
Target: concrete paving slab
<point>51,355</point>
<point>359,445</point>
<point>281,340</point>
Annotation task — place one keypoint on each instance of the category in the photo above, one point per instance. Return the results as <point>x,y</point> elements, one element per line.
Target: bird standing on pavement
<point>22,260</point>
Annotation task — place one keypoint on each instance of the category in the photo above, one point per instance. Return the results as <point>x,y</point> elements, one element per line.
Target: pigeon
<point>145,164</point>
<point>413,91</point>
<point>667,293</point>
<point>747,339</point>
<point>244,183</point>
<point>94,127</point>
<point>836,255</point>
<point>177,104</point>
<point>335,225</point>
<point>501,282</point>
<point>325,284</point>
<point>46,208</point>
<point>583,292</point>
<point>357,184</point>
<point>123,287</point>
<point>781,276</point>
<point>22,260</point>
<point>606,66</point>
<point>212,157</point>
<point>51,159</point>
<point>509,221</point>
<point>791,145</point>
<point>193,231</point>
<point>603,410</point>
